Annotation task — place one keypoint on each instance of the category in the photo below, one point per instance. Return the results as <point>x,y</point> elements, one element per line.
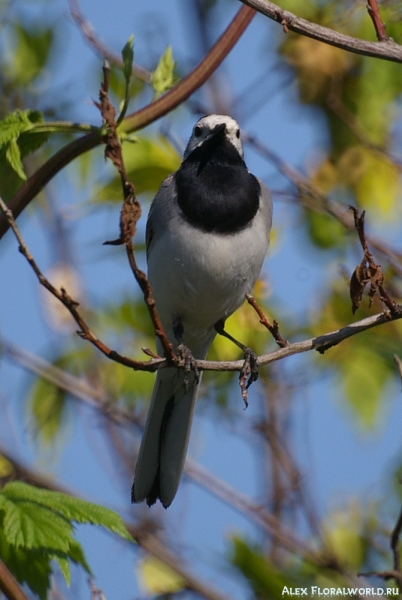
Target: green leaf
<point>17,139</point>
<point>128,58</point>
<point>263,577</point>
<point>47,406</point>
<point>30,567</point>
<point>16,123</point>
<point>13,156</point>
<point>148,163</point>
<point>36,527</point>
<point>29,525</point>
<point>163,78</point>
<point>72,509</point>
<point>31,53</point>
<point>364,375</point>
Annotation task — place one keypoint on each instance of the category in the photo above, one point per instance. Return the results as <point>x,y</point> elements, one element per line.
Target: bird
<point>207,236</point>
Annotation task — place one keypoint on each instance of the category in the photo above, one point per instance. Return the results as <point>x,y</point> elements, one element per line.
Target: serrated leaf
<point>13,156</point>
<point>163,78</point>
<point>64,567</point>
<point>73,509</point>
<point>30,567</point>
<point>29,525</point>
<point>17,122</point>
<point>128,58</point>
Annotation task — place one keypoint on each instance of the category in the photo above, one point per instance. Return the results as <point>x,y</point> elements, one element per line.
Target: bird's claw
<point>250,370</point>
<point>190,364</point>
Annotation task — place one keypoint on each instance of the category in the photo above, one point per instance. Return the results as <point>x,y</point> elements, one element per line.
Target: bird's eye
<point>238,133</point>
<point>197,131</point>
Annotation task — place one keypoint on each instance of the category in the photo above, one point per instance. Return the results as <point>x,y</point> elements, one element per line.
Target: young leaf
<point>128,58</point>
<point>17,140</point>
<point>163,78</point>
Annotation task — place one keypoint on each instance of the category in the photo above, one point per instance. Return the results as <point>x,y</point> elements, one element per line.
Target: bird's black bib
<point>215,191</point>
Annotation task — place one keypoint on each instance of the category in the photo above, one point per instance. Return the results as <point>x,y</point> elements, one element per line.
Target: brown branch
<point>272,328</point>
<point>387,49</point>
<point>135,121</point>
<point>373,11</point>
<point>130,213</point>
<point>9,585</point>
<point>72,305</point>
<point>319,343</point>
<point>195,79</point>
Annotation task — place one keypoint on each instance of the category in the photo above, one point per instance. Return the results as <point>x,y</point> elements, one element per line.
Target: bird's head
<point>210,128</point>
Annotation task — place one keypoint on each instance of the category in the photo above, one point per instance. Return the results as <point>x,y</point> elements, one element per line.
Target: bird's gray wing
<point>161,211</point>
<point>266,205</point>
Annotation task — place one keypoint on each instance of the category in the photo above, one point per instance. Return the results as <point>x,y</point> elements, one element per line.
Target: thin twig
<point>138,120</point>
<point>386,49</point>
<point>99,46</point>
<point>320,343</point>
<point>272,328</point>
<point>9,585</point>
<point>130,213</point>
<point>373,11</point>
<point>72,305</point>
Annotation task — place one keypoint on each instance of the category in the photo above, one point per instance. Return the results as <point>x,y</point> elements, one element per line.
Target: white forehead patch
<point>206,125</point>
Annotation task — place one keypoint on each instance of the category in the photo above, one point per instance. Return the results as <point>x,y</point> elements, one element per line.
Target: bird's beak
<point>216,131</point>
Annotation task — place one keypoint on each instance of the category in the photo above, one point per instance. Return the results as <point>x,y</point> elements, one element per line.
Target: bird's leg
<point>250,367</point>
<point>185,353</point>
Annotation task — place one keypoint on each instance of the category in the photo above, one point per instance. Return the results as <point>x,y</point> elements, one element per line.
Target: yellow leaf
<point>6,468</point>
<point>374,179</point>
<point>157,578</point>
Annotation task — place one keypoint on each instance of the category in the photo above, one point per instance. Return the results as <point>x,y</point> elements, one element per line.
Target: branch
<point>372,8</point>
<point>9,585</point>
<point>135,121</point>
<point>72,305</point>
<point>130,212</point>
<point>386,49</point>
<point>319,343</point>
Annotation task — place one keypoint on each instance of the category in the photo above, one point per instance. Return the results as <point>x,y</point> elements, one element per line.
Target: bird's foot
<point>249,373</point>
<point>190,364</point>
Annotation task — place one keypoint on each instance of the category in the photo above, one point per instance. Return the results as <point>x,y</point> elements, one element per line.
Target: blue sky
<point>339,459</point>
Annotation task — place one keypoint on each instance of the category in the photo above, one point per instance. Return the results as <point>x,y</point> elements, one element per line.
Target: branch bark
<point>9,585</point>
<point>135,121</point>
<point>385,49</point>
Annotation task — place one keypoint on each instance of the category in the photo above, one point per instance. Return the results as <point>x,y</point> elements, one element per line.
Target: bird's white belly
<point>202,278</point>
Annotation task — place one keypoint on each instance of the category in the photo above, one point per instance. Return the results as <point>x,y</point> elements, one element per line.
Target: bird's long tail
<point>165,440</point>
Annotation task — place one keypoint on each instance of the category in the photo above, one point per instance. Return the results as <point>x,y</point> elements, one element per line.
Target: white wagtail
<point>207,236</point>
